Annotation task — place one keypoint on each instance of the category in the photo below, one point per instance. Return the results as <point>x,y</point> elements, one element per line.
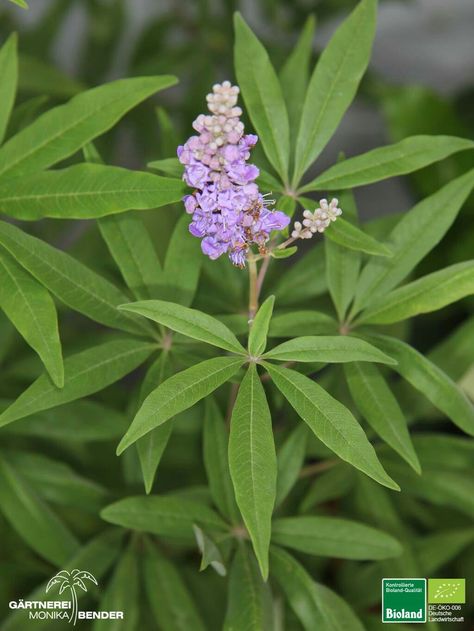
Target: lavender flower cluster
<point>228,211</point>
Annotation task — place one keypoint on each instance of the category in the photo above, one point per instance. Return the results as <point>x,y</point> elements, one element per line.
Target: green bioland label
<point>404,600</point>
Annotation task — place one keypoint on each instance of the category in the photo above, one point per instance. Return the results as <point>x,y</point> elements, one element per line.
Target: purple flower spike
<point>228,211</point>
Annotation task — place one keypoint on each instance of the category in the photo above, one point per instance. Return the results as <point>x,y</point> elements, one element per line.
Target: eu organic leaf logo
<point>71,580</point>
<point>446,590</point>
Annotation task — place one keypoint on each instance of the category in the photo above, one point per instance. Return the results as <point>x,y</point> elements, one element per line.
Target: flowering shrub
<point>258,423</point>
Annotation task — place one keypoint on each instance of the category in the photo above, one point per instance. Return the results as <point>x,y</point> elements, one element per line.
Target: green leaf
<point>190,322</point>
<point>343,264</point>
<point>85,191</point>
<point>9,79</point>
<point>20,3</point>
<point>73,283</point>
<point>216,462</point>
<point>294,75</point>
<point>259,330</point>
<point>412,238</point>
<point>333,537</point>
<point>327,348</point>
<point>80,421</point>
<point>182,267</point>
<point>31,310</point>
<point>380,408</point>
<point>40,528</point>
<point>430,380</point>
<point>290,459</point>
<point>347,235</point>
<point>262,95</point>
<point>330,421</point>
<point>179,393</point>
<point>426,294</point>
<point>315,322</point>
<point>285,253</point>
<point>151,447</point>
<point>65,129</point>
<point>122,594</point>
<point>249,605</point>
<point>252,463</point>
<point>85,372</point>
<point>210,553</point>
<point>175,609</point>
<point>132,249</point>
<point>161,515</point>
<point>316,606</point>
<point>57,482</point>
<point>403,157</point>
<point>168,166</point>
<point>334,83</point>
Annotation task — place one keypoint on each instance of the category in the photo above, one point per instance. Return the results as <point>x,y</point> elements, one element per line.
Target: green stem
<point>253,290</point>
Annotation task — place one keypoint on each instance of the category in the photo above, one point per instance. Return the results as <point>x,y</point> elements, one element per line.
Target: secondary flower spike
<point>228,211</point>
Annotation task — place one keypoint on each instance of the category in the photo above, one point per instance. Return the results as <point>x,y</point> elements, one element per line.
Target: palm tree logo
<point>71,580</point>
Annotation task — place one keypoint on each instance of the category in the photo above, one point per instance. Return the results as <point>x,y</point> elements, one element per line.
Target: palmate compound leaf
<point>334,537</point>
<point>85,191</point>
<point>334,83</point>
<point>403,157</point>
<point>378,405</point>
<point>316,606</point>
<point>430,380</point>
<point>249,604</point>
<point>179,393</point>
<point>76,285</point>
<point>426,294</point>
<point>327,348</point>
<point>85,372</point>
<point>417,232</point>
<point>262,95</point>
<point>330,421</point>
<point>252,463</point>
<point>32,311</point>
<point>65,129</point>
<point>8,83</point>
<point>190,322</point>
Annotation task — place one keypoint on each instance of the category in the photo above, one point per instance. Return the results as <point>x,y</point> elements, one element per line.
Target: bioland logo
<point>404,600</point>
<point>67,583</point>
